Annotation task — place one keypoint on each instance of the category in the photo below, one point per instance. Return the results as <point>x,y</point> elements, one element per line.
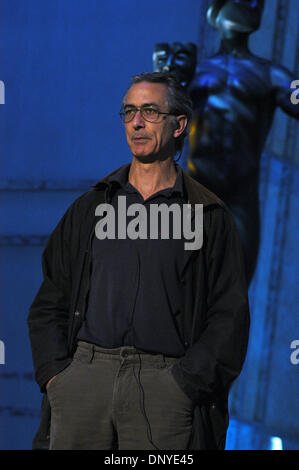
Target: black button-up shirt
<point>135,286</point>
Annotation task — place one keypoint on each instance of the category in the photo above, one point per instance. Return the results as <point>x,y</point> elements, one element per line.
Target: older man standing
<point>136,339</point>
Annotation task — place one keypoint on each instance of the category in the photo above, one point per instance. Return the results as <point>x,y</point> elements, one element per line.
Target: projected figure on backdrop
<point>235,94</point>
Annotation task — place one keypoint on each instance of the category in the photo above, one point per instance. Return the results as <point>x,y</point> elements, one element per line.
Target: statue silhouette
<point>235,94</point>
<point>178,59</point>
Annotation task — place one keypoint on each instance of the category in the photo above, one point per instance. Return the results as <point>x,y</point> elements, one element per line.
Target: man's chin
<point>144,157</point>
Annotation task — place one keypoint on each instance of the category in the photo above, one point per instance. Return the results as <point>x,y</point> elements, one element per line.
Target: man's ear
<point>181,124</point>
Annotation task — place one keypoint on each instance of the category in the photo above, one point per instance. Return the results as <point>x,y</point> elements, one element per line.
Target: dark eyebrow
<point>144,104</point>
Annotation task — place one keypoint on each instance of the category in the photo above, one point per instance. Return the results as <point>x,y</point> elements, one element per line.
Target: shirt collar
<point>121,178</point>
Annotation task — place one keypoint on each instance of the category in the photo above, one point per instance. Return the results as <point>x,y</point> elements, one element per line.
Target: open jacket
<point>213,323</point>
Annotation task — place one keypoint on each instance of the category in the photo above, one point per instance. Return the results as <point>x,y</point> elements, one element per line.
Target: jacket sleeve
<point>49,313</point>
<point>212,363</point>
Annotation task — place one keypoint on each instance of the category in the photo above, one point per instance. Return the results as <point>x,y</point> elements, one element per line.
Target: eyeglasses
<point>148,113</point>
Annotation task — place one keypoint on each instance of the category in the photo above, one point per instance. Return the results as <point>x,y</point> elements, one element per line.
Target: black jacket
<point>213,324</point>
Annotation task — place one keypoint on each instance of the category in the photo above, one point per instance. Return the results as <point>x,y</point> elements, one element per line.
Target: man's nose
<point>138,120</point>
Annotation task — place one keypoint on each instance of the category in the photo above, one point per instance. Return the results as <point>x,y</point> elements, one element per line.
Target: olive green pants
<point>118,399</point>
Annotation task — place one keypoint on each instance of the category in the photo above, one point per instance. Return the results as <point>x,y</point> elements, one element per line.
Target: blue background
<point>65,65</point>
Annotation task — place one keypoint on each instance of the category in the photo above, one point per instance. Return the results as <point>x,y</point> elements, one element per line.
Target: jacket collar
<point>197,193</point>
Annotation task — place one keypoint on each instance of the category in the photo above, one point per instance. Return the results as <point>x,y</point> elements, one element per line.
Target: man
<point>136,339</point>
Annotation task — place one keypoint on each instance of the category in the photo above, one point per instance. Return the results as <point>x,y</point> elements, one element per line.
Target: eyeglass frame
<point>136,109</point>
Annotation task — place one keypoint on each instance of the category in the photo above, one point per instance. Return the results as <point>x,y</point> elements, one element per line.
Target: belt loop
<point>164,361</point>
<point>91,353</point>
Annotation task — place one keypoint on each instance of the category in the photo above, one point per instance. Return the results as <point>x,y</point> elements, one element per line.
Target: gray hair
<point>178,99</point>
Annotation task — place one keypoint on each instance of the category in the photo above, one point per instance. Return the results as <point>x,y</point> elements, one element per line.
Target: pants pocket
<point>177,389</point>
<point>57,379</point>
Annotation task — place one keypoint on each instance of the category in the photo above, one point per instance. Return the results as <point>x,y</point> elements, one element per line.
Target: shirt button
<point>77,313</point>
